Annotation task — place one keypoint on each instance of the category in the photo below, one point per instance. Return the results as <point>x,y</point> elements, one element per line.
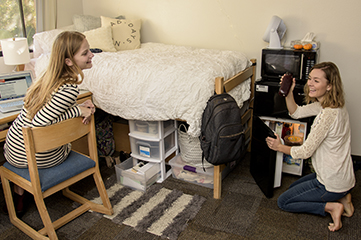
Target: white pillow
<point>43,41</point>
<point>126,33</point>
<point>101,38</point>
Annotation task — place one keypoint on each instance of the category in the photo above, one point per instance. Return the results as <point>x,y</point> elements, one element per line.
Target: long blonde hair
<point>335,97</point>
<point>58,72</point>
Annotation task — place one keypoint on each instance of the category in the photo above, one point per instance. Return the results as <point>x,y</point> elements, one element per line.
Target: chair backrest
<point>39,139</point>
<point>49,137</point>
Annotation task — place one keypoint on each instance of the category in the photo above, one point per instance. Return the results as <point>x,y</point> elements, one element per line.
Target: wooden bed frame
<point>228,85</point>
<point>121,130</point>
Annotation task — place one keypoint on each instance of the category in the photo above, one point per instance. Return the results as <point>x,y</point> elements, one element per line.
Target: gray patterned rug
<point>160,211</point>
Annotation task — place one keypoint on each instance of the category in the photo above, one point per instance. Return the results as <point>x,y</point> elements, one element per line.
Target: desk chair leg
<point>108,209</point>
<point>12,214</point>
<point>48,224</point>
<point>8,197</point>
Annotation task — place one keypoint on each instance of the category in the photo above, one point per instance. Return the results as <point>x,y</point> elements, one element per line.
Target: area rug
<point>160,211</point>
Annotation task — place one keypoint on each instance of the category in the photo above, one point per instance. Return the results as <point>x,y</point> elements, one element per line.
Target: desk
<point>11,116</point>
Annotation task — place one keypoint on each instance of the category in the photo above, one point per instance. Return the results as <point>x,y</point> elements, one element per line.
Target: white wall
<point>66,9</point>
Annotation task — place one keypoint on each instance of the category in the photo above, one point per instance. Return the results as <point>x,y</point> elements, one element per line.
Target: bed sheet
<point>159,82</point>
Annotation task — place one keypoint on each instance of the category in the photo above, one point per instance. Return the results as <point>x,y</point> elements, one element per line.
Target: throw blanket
<point>160,82</point>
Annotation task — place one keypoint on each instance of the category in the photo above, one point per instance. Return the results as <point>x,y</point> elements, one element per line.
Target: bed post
<point>219,88</point>
<point>217,171</point>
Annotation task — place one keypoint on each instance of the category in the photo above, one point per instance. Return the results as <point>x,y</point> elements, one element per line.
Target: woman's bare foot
<point>347,205</point>
<point>336,209</point>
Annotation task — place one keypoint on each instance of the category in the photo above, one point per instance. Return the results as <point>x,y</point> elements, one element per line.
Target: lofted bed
<point>158,82</point>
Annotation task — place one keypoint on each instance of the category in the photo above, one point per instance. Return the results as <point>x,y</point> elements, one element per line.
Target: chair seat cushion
<point>49,177</point>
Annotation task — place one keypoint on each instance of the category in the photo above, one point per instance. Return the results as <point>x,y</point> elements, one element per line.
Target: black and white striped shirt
<point>62,106</point>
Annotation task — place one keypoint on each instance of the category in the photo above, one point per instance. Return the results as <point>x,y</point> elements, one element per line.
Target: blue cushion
<point>49,177</point>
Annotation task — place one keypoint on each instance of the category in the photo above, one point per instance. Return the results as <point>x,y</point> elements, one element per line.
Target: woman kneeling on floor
<point>329,144</point>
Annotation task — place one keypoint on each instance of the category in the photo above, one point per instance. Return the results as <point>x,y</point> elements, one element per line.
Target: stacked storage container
<point>151,142</point>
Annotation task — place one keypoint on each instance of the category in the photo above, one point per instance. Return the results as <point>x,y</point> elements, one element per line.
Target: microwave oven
<point>276,62</point>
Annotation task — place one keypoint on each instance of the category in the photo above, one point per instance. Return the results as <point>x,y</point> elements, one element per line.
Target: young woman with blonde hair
<point>49,100</point>
<point>329,146</point>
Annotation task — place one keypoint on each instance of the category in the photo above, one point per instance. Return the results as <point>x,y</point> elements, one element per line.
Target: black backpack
<point>222,133</point>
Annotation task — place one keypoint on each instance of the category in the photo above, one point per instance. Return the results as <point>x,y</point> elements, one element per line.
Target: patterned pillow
<point>101,38</point>
<point>126,33</point>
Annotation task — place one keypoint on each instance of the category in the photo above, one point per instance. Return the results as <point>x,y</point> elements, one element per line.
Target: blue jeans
<point>307,195</point>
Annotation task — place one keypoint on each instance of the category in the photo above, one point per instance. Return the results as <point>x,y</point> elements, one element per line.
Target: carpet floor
<point>243,212</point>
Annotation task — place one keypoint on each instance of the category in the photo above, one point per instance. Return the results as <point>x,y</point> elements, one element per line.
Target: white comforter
<point>160,82</point>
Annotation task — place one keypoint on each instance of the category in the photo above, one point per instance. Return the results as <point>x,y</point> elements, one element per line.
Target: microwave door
<point>263,159</point>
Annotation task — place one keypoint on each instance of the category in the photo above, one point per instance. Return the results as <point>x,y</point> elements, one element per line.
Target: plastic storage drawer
<point>155,149</point>
<point>140,179</point>
<point>196,175</point>
<point>151,129</point>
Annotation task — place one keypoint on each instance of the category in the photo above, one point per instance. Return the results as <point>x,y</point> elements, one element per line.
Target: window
<point>18,19</point>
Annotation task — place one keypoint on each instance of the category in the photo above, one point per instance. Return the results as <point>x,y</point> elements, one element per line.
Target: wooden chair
<point>45,182</point>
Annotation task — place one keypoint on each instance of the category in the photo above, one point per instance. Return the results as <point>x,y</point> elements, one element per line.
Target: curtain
<point>46,15</point>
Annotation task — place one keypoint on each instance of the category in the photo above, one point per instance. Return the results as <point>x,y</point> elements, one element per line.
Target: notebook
<point>13,87</point>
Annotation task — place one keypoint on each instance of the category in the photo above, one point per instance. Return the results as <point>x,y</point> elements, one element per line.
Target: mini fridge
<point>271,115</point>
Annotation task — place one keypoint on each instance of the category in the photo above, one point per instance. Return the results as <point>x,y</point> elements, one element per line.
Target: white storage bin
<point>151,129</point>
<point>188,173</point>
<point>140,179</point>
<point>156,149</point>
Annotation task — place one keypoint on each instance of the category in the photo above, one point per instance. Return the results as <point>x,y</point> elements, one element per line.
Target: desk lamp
<point>15,52</point>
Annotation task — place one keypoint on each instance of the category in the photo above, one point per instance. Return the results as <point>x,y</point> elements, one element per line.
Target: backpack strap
<point>203,162</point>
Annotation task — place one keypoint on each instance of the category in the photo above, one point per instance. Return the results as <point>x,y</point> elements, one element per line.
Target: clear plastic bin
<point>196,175</point>
<point>140,179</point>
<point>151,129</point>
<point>155,149</point>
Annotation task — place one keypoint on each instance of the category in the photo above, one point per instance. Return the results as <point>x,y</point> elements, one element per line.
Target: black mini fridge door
<point>263,159</point>
<point>269,103</point>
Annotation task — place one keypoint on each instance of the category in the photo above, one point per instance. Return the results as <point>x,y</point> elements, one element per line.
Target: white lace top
<point>329,144</point>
